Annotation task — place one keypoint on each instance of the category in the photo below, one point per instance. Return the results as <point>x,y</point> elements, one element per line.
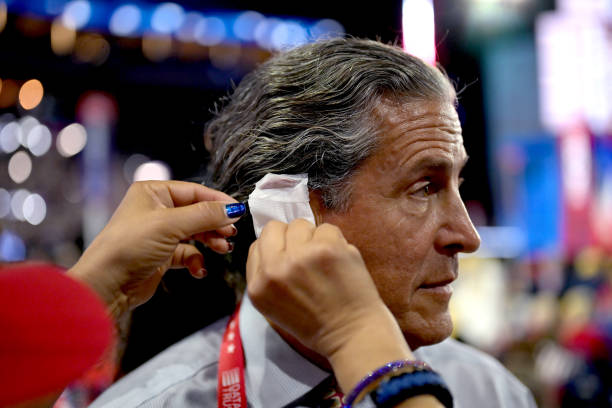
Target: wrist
<point>373,341</point>
<point>98,278</point>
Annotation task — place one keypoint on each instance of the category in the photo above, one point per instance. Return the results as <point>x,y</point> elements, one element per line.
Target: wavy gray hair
<point>310,110</point>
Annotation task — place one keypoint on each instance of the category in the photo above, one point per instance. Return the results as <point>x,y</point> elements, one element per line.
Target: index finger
<point>182,193</point>
<point>185,193</point>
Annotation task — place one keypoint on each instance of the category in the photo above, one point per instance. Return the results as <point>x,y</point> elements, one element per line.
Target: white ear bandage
<point>281,197</point>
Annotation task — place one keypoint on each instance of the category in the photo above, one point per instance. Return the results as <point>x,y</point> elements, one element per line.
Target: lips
<point>440,290</point>
<point>437,284</point>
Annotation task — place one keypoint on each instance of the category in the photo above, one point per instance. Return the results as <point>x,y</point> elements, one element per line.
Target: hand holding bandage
<point>313,284</point>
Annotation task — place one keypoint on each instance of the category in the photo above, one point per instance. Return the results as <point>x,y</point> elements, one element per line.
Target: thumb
<point>203,216</point>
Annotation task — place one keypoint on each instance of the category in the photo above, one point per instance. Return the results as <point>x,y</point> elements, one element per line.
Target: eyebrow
<point>436,164</point>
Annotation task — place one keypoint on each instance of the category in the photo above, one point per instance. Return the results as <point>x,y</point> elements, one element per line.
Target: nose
<point>457,233</point>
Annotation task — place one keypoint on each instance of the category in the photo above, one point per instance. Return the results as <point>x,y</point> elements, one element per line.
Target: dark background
<point>163,108</point>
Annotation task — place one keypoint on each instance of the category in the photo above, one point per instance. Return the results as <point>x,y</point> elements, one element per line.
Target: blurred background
<point>97,94</point>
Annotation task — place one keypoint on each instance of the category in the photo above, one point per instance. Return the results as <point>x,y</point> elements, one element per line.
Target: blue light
<point>12,248</point>
<point>134,18</point>
<point>210,31</point>
<point>187,32</point>
<point>76,14</point>
<point>264,30</point>
<point>326,28</point>
<point>54,7</point>
<point>167,18</point>
<point>125,21</point>
<point>245,24</point>
<point>288,35</point>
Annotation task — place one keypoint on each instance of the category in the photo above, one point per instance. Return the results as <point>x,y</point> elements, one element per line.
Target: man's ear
<point>317,206</point>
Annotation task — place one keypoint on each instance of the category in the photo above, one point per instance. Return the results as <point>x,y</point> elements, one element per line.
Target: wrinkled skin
<point>407,218</point>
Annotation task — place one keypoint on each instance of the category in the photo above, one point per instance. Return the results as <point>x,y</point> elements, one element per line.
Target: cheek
<point>415,209</point>
<point>393,239</point>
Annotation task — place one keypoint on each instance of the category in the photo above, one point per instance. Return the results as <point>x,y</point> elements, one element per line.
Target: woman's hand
<point>313,284</point>
<point>144,238</point>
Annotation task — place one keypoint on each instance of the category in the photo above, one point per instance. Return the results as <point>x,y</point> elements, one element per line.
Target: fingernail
<point>234,230</point>
<point>201,273</point>
<point>230,246</point>
<point>235,210</point>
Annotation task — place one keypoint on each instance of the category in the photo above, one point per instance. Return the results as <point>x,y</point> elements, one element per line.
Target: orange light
<point>32,26</point>
<point>31,94</point>
<point>8,93</point>
<point>92,48</point>
<point>156,47</point>
<point>62,38</point>
<point>3,15</point>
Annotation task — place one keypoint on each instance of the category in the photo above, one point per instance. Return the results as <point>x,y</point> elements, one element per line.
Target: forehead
<point>424,128</point>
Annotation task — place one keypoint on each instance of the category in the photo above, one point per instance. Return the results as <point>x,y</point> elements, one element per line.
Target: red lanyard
<point>230,378</point>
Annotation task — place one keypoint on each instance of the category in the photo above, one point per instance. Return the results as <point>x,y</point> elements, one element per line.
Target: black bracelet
<point>399,388</point>
<point>370,381</point>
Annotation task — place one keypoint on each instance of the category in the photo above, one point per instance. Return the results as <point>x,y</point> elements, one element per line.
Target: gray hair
<point>310,110</point>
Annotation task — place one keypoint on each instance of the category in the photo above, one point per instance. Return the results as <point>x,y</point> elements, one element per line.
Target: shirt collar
<point>275,373</point>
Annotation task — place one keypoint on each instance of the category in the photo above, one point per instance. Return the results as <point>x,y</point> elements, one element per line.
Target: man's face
<point>407,218</point>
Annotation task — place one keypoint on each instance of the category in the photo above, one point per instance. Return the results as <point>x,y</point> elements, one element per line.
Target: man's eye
<point>424,190</point>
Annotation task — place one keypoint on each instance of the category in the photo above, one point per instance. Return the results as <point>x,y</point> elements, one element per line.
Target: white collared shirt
<point>185,374</point>
<point>275,373</point>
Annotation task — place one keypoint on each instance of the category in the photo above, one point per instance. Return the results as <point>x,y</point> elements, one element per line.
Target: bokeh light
<point>71,140</point>
<point>34,209</point>
<point>8,93</point>
<point>288,35</point>
<point>210,31</point>
<point>5,203</point>
<point>12,247</point>
<point>10,137</point>
<point>264,30</point>
<point>17,201</point>
<point>19,167</point>
<point>245,24</point>
<point>92,48</point>
<point>31,26</point>
<point>31,93</point>
<point>326,28</point>
<point>153,170</point>
<point>26,123</point>
<point>97,108</point>
<point>125,21</point>
<point>3,15</point>
<point>418,29</point>
<point>188,29</point>
<point>38,140</point>
<point>156,47</point>
<point>167,18</point>
<point>76,14</point>
<point>62,38</point>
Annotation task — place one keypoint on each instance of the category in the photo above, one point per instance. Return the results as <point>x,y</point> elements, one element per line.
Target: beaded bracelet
<point>394,390</point>
<point>370,381</point>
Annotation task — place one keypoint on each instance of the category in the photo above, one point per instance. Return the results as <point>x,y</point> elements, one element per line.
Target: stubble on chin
<point>420,332</point>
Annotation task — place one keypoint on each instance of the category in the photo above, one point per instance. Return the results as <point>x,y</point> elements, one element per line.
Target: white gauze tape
<point>281,197</point>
